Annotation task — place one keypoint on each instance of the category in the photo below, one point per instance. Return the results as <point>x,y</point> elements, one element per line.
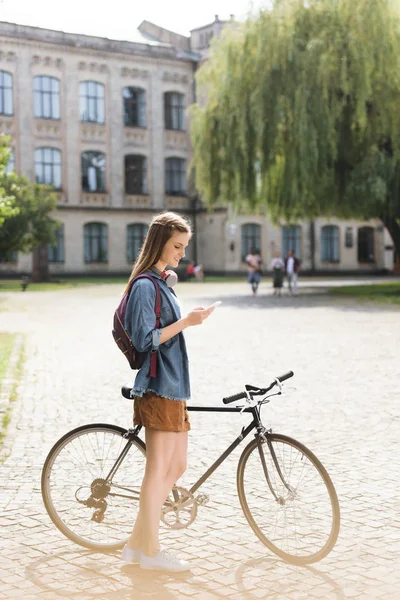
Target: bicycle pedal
<point>202,499</point>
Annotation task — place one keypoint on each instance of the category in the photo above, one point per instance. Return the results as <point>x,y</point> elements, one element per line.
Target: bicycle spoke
<point>299,523</point>
<point>85,457</point>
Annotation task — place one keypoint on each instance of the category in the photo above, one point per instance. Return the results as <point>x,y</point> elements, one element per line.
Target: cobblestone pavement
<point>345,407</point>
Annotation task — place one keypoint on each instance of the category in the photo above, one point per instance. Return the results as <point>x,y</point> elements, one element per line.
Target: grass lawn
<point>14,285</point>
<point>376,292</point>
<point>7,341</point>
<point>6,345</point>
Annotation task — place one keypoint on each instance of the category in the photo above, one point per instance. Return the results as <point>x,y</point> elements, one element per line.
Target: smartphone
<point>215,304</point>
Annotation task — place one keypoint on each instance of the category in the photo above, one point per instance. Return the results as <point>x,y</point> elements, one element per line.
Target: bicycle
<point>91,482</point>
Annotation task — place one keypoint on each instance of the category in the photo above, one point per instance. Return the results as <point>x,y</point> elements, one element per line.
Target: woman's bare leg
<point>166,461</point>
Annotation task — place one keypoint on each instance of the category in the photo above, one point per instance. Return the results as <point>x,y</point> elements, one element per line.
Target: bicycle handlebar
<point>235,397</point>
<point>257,391</point>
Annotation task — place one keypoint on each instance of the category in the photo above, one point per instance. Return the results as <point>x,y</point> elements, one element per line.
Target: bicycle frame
<point>255,424</point>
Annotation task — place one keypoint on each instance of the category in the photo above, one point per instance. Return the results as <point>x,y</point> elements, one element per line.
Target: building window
<point>9,257</point>
<point>135,235</point>
<point>96,243</point>
<point>46,97</point>
<point>91,99</point>
<point>174,110</point>
<point>135,174</point>
<point>134,107</point>
<point>365,245</point>
<point>251,238</point>
<point>56,252</point>
<point>291,239</point>
<point>48,166</point>
<point>10,167</point>
<point>349,238</point>
<point>6,93</point>
<point>175,176</point>
<point>93,166</point>
<point>330,243</point>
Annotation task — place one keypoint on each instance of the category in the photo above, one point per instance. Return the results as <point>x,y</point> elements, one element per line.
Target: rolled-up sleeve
<point>140,317</point>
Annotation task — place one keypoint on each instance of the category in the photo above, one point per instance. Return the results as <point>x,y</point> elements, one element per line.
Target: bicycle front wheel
<point>301,524</point>
<point>90,508</point>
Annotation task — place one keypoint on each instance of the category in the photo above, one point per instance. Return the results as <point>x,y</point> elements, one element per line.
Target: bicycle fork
<point>262,438</point>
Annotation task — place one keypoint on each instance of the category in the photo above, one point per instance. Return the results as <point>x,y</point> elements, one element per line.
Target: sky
<point>117,19</point>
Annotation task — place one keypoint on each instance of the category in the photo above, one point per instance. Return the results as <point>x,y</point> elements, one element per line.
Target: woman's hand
<point>197,315</point>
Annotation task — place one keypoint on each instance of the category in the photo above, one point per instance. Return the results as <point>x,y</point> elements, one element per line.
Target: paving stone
<point>343,404</point>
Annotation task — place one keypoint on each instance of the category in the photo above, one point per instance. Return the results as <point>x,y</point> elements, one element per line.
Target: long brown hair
<point>161,229</point>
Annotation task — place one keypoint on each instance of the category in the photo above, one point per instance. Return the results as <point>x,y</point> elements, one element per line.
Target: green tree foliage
<point>25,207</point>
<point>32,226</point>
<point>7,202</point>
<point>299,111</point>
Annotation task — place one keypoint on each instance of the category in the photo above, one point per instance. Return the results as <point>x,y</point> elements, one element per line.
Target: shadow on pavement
<point>86,576</point>
<point>303,299</point>
<point>282,580</point>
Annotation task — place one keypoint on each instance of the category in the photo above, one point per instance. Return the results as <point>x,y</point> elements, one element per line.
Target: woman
<point>160,401</point>
<point>278,268</point>
<point>254,264</point>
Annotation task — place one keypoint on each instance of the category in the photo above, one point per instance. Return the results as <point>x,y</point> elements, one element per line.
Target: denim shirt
<point>172,377</point>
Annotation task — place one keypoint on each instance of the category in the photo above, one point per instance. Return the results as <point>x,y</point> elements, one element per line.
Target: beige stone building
<point>105,122</point>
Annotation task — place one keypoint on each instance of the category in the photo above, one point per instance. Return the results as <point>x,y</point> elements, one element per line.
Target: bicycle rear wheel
<point>302,524</point>
<point>90,510</point>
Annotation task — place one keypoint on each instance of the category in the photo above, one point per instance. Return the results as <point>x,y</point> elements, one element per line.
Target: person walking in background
<point>278,268</point>
<point>292,268</point>
<point>190,271</point>
<point>254,264</point>
<point>199,272</point>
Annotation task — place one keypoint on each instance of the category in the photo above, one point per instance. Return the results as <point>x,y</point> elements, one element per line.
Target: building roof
<point>140,42</point>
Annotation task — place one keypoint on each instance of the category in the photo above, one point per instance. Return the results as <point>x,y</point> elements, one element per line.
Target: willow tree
<point>300,112</point>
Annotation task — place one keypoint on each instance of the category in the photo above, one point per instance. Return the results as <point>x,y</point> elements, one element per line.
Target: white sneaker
<point>163,562</point>
<point>129,555</point>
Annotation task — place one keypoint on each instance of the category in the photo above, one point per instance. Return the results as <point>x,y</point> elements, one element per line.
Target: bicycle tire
<point>54,497</point>
<point>253,516</point>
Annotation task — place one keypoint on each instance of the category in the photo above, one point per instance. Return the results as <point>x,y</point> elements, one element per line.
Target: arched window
<point>251,238</point>
<point>56,252</point>
<point>46,97</point>
<point>174,110</point>
<point>175,176</point>
<point>135,235</point>
<point>134,107</point>
<point>96,243</point>
<point>93,166</point>
<point>91,101</point>
<point>366,245</point>
<point>291,239</point>
<point>48,166</point>
<point>330,243</point>
<point>6,93</point>
<point>135,174</point>
<point>10,167</point>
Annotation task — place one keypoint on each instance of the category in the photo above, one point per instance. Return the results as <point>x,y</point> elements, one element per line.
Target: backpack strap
<point>157,310</point>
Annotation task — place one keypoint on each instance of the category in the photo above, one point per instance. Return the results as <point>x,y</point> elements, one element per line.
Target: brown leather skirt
<point>156,412</point>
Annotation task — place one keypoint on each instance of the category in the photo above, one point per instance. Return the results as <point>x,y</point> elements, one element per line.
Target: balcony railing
<point>94,199</point>
<point>137,201</point>
<point>93,132</point>
<point>137,136</point>
<point>7,124</point>
<point>176,140</point>
<point>177,202</point>
<point>62,198</point>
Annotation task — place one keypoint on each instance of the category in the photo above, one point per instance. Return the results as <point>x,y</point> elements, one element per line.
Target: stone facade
<point>157,67</point>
